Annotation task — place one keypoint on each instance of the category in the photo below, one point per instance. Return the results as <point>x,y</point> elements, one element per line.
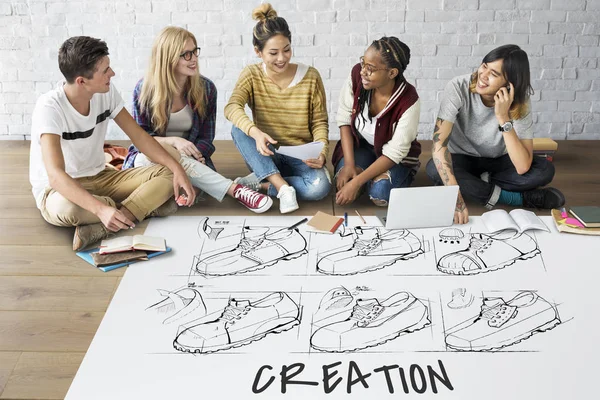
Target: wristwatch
<point>506,127</point>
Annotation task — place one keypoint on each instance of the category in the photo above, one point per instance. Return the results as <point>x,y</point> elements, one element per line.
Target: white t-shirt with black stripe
<point>82,136</point>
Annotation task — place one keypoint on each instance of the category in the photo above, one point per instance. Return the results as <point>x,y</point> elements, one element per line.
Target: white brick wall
<point>447,38</point>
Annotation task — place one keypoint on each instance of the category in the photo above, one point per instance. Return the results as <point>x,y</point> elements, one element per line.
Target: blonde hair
<point>160,85</point>
<point>516,110</point>
<point>268,25</point>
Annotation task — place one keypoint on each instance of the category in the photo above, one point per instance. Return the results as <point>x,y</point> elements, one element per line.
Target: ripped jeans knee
<point>379,191</point>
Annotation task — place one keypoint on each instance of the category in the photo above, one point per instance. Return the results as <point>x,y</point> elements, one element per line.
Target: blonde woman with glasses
<point>178,106</point>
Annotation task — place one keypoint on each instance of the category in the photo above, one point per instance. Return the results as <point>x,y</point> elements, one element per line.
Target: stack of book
<point>125,250</point>
<point>583,220</point>
<point>544,147</point>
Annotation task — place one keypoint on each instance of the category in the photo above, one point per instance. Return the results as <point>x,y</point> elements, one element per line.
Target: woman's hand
<point>345,175</point>
<point>347,194</point>
<point>502,101</point>
<point>461,213</point>
<point>186,147</point>
<point>316,163</point>
<point>262,141</point>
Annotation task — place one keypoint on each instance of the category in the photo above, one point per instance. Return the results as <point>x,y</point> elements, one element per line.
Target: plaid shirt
<point>202,133</point>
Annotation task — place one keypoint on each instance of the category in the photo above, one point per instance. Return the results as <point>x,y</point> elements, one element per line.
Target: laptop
<point>420,207</point>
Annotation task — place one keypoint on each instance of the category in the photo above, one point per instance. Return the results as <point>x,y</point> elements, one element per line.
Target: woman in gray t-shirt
<point>483,137</point>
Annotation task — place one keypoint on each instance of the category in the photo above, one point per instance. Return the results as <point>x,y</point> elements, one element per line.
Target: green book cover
<point>588,215</point>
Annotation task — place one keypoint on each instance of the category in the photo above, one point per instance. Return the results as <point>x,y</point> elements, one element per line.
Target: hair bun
<point>264,12</point>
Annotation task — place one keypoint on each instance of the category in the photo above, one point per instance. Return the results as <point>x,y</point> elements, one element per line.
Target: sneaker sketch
<point>181,306</point>
<point>241,323</point>
<point>211,232</point>
<point>372,323</point>
<point>336,298</point>
<point>501,324</point>
<point>254,253</point>
<point>460,299</point>
<point>488,253</point>
<point>370,251</point>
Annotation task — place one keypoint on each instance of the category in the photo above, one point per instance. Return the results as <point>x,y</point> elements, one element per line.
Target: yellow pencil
<point>360,216</point>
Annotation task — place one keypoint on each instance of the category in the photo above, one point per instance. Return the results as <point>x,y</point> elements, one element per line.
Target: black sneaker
<point>546,198</point>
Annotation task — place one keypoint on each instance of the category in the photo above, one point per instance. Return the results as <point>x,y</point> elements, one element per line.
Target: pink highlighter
<point>570,220</point>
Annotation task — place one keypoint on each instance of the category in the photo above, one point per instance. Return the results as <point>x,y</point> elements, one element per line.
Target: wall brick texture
<point>447,38</point>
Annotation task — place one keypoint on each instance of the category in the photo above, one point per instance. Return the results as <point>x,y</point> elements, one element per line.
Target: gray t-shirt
<point>475,130</point>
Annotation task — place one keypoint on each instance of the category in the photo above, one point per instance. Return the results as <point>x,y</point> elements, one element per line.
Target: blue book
<point>86,255</point>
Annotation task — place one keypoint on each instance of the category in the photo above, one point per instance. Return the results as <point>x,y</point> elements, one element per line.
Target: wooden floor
<point>51,302</point>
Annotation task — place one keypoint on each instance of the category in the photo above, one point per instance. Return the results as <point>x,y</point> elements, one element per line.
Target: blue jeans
<point>310,183</point>
<point>379,191</point>
<point>502,175</point>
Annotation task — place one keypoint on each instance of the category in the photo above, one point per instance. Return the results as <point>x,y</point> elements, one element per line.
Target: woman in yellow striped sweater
<point>288,108</point>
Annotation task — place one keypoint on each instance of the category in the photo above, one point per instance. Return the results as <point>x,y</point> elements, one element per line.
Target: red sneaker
<point>253,200</point>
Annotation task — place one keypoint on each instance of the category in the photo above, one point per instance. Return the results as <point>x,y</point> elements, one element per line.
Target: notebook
<point>518,220</point>
<point>136,242</point>
<point>87,257</point>
<point>324,223</point>
<point>589,216</point>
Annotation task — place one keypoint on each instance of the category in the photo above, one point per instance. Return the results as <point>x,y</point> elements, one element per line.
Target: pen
<point>345,219</point>
<point>563,212</point>
<point>360,216</point>
<point>298,223</point>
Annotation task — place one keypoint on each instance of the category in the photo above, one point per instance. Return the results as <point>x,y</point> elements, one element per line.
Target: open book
<point>517,220</point>
<point>129,243</point>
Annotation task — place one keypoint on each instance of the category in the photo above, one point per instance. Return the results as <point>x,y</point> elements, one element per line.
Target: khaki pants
<point>140,190</point>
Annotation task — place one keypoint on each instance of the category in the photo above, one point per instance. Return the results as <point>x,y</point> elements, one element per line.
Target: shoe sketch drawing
<point>460,299</point>
<point>488,253</point>
<point>253,253</point>
<point>211,232</point>
<point>336,298</point>
<point>182,305</point>
<point>372,323</point>
<point>370,251</point>
<point>241,323</point>
<point>503,323</point>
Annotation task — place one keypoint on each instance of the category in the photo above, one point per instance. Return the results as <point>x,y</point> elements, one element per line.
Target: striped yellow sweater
<point>292,116</point>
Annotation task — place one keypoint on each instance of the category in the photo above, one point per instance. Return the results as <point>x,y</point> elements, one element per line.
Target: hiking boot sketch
<point>253,253</point>
<point>370,251</point>
<point>503,323</point>
<point>488,253</point>
<point>372,323</point>
<point>182,306</point>
<point>242,322</point>
<point>460,299</point>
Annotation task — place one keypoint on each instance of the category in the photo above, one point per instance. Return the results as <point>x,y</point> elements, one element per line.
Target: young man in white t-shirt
<point>67,170</point>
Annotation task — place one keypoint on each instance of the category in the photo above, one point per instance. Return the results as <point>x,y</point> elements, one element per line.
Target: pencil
<point>298,223</point>
<point>361,217</point>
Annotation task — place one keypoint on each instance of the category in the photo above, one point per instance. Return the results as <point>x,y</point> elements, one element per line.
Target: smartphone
<point>508,88</point>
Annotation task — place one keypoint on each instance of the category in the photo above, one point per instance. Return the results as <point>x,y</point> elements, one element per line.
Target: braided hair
<point>395,54</point>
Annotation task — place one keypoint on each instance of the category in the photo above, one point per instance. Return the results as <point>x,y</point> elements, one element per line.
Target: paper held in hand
<point>518,220</point>
<point>303,152</point>
<point>129,243</point>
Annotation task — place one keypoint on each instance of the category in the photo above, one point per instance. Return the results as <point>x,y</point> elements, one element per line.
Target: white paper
<point>548,353</point>
<point>302,152</point>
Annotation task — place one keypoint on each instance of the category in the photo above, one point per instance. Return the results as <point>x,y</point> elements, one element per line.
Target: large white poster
<point>247,308</point>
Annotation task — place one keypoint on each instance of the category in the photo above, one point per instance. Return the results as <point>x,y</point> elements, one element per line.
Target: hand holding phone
<point>502,101</point>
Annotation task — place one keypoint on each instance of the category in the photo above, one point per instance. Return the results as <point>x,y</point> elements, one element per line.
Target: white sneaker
<point>287,199</point>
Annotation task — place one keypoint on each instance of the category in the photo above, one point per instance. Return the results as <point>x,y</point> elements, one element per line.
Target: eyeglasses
<point>368,69</point>
<point>187,55</point>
